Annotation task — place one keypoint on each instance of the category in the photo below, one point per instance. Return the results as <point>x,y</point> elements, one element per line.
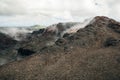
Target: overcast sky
<point>46,12</point>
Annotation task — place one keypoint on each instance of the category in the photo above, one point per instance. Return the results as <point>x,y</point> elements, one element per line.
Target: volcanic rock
<point>92,53</point>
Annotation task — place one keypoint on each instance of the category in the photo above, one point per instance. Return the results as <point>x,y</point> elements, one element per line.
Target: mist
<point>16,33</point>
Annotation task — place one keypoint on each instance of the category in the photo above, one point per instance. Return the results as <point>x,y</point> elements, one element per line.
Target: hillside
<point>6,45</point>
<point>54,53</point>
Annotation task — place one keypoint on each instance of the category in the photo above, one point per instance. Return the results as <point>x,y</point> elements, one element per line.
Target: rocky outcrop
<point>112,42</point>
<point>25,52</point>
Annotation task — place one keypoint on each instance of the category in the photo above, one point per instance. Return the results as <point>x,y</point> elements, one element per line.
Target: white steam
<point>70,27</point>
<point>59,29</point>
<point>78,26</point>
<point>16,33</point>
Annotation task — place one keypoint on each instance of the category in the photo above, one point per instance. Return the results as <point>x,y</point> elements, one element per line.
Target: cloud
<point>51,11</point>
<point>14,7</point>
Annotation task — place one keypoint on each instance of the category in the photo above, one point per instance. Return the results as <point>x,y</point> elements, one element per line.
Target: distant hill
<point>37,27</point>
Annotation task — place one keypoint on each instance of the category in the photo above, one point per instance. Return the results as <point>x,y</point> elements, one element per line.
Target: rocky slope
<point>91,53</point>
<point>6,45</point>
<point>26,41</point>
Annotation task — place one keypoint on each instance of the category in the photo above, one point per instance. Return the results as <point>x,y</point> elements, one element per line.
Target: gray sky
<point>46,12</point>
